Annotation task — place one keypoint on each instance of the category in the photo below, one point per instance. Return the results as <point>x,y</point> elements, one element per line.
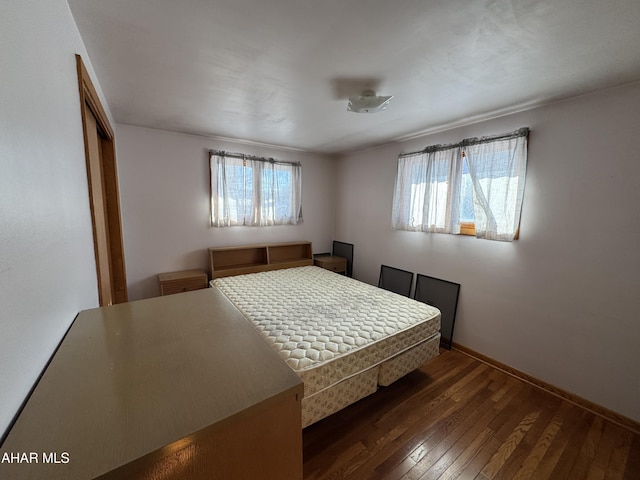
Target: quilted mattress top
<point>313,316</point>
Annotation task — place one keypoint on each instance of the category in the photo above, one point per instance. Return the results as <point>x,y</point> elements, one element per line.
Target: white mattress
<point>328,327</point>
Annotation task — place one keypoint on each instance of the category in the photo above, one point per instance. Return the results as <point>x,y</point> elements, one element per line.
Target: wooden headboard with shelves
<point>238,260</point>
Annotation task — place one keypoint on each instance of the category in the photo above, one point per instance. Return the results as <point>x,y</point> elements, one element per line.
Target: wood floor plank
<point>424,437</point>
<point>571,451</point>
<point>457,418</point>
<point>572,418</point>
<point>513,409</point>
<point>619,455</point>
<point>473,468</point>
<point>452,468</point>
<point>605,447</point>
<point>462,451</point>
<point>429,398</point>
<point>587,453</point>
<point>632,469</point>
<point>508,447</point>
<point>595,473</point>
<point>548,408</point>
<point>409,445</point>
<point>338,463</point>
<point>482,415</point>
<point>539,450</point>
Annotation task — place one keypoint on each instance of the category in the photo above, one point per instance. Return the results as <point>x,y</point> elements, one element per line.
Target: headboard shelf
<point>240,265</point>
<point>239,260</point>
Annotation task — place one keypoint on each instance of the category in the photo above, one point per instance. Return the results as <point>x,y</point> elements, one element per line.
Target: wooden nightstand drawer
<point>329,262</point>
<point>184,281</point>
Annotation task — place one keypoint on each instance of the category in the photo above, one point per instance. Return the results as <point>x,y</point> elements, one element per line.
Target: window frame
<point>258,179</point>
<point>489,162</point>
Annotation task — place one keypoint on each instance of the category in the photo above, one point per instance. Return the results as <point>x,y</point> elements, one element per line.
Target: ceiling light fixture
<point>368,102</point>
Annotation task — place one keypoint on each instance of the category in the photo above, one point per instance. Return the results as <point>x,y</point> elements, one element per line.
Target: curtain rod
<point>521,132</point>
<point>222,153</point>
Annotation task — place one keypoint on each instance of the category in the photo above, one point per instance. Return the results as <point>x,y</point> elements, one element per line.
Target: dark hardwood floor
<point>459,418</point>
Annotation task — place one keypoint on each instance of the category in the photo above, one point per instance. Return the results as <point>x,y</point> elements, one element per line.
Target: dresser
<point>174,387</point>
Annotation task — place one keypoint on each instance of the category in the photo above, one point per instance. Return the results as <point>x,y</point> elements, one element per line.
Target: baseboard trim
<point>588,405</point>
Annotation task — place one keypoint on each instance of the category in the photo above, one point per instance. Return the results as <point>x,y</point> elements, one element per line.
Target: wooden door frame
<point>89,98</point>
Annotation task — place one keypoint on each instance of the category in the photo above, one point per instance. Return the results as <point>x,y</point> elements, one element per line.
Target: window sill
<point>469,228</point>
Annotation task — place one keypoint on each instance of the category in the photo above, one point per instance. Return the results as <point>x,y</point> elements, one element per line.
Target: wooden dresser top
<point>137,377</point>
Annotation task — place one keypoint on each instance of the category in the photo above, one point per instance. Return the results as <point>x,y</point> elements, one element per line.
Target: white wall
<point>164,187</point>
<point>562,302</point>
<point>47,266</point>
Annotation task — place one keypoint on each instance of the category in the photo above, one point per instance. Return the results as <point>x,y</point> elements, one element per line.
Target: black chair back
<point>395,280</point>
<point>344,250</point>
<point>443,295</point>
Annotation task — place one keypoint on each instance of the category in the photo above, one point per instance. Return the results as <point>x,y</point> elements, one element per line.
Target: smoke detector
<point>368,102</point>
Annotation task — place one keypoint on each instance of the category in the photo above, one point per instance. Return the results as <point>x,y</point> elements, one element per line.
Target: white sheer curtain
<point>255,192</point>
<point>497,169</point>
<point>430,195</point>
<point>426,196</point>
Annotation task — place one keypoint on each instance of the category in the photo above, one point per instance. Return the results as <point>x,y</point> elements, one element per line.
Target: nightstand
<point>329,262</point>
<point>183,281</point>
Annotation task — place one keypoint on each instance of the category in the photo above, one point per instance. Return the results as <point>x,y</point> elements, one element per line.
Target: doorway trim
<point>115,254</point>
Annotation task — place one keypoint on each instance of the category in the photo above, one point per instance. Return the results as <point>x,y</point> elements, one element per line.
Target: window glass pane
<point>416,203</point>
<point>498,170</point>
<point>415,195</point>
<point>438,193</point>
<point>238,181</point>
<point>466,195</point>
<point>283,188</point>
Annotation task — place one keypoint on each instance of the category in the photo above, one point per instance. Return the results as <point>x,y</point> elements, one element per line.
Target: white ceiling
<point>280,71</point>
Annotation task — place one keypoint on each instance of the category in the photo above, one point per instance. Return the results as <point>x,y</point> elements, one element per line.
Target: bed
<point>343,337</point>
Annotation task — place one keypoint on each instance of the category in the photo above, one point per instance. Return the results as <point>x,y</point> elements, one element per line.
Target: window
<point>254,191</point>
<point>474,187</point>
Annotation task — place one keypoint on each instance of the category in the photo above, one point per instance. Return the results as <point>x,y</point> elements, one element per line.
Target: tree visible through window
<point>254,191</point>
